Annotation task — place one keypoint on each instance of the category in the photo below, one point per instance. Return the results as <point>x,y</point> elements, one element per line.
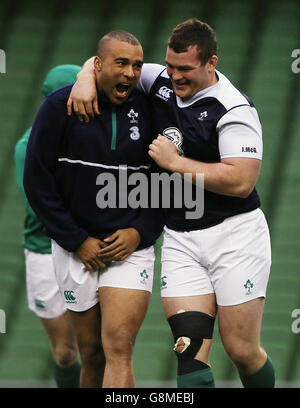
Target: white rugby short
<point>79,287</point>
<point>231,259</point>
<point>43,293</point>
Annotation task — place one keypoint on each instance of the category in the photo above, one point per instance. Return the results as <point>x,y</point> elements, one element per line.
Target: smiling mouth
<point>123,89</point>
<point>180,84</point>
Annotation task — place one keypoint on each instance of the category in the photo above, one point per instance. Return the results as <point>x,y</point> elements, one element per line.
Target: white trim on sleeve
<point>240,133</point>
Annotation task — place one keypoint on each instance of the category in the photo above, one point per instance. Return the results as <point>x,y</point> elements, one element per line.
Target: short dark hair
<point>194,32</point>
<point>120,35</point>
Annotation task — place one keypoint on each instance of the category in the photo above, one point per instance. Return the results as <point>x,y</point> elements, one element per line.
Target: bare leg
<point>62,337</point>
<point>123,311</point>
<point>240,327</point>
<point>88,332</point>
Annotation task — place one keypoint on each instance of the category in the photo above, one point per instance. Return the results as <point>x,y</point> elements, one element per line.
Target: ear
<point>97,64</point>
<point>213,62</point>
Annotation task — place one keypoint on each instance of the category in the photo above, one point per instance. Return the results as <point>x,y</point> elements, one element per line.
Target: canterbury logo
<point>69,295</point>
<point>164,93</point>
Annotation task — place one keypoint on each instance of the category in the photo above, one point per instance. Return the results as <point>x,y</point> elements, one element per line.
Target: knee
<point>65,355</point>
<point>91,353</point>
<point>119,344</point>
<point>192,333</point>
<point>242,354</point>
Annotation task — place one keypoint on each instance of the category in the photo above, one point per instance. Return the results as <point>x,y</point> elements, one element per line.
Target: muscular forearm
<point>83,98</point>
<point>234,176</point>
<point>88,66</point>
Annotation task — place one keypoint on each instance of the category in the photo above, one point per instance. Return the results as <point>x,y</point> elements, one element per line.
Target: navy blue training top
<point>193,129</point>
<point>74,169</point>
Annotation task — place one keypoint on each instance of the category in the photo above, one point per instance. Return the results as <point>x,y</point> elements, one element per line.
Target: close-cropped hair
<point>120,35</point>
<point>194,32</point>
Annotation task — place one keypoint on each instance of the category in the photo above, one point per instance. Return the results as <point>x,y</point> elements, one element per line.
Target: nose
<point>129,72</point>
<point>176,75</point>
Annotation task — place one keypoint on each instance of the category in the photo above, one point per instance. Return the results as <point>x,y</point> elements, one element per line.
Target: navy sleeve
<point>39,175</point>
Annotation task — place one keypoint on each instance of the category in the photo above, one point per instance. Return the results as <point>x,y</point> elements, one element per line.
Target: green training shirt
<point>35,238</point>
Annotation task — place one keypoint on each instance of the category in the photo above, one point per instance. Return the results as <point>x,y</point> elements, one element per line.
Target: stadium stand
<point>132,17</point>
<point>19,359</point>
<point>80,27</point>
<point>284,287</point>
<point>234,17</point>
<point>272,61</point>
<point>274,89</point>
<point>255,44</point>
<point>170,14</point>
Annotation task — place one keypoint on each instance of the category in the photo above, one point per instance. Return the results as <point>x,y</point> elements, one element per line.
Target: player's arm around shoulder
<point>83,99</point>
